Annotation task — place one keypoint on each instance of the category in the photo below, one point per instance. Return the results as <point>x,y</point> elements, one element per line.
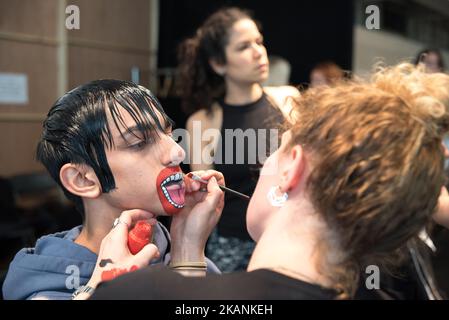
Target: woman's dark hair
<point>76,129</point>
<point>199,85</point>
<point>420,56</point>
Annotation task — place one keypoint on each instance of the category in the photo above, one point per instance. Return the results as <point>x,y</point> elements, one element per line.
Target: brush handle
<point>238,194</point>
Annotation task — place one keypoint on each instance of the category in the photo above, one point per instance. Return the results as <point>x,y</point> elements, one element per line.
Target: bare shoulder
<point>282,92</point>
<point>210,119</point>
<point>283,97</point>
<point>198,115</point>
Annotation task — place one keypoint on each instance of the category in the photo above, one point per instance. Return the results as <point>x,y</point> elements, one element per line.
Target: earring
<point>275,200</point>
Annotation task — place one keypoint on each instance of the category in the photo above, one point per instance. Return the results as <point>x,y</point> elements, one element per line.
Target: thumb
<point>148,253</point>
<point>212,186</point>
<point>191,185</point>
<point>214,192</point>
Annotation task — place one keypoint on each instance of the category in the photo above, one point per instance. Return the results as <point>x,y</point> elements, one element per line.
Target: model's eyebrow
<point>150,131</point>
<point>135,131</point>
<point>249,40</point>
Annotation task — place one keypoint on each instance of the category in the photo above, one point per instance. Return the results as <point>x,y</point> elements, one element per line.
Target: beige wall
<point>372,45</point>
<point>114,36</point>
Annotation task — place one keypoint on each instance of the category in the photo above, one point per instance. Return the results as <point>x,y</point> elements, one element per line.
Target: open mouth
<point>171,189</point>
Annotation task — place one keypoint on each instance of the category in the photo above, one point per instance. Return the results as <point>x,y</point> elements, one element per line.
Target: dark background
<point>318,30</point>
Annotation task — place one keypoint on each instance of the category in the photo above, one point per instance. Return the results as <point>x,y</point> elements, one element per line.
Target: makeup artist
<point>221,68</point>
<point>357,176</point>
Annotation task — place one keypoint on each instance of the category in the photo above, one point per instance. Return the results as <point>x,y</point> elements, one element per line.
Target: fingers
<point>148,253</point>
<point>206,175</point>
<point>152,221</point>
<point>214,192</point>
<point>127,219</point>
<point>191,185</point>
<point>132,216</point>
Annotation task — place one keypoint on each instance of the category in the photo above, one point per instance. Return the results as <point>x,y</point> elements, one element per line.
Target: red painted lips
<point>171,189</point>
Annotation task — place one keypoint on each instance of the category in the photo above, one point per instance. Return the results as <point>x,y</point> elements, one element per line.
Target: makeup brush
<point>226,189</point>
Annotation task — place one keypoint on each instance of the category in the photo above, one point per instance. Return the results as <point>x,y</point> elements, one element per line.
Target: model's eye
<point>244,46</point>
<point>139,145</point>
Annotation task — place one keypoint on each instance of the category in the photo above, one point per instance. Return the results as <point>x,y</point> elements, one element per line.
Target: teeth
<point>175,177</point>
<point>167,195</point>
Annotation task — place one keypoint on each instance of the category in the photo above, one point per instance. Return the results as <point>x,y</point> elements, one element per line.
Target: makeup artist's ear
<point>80,180</point>
<point>292,167</point>
<point>219,68</point>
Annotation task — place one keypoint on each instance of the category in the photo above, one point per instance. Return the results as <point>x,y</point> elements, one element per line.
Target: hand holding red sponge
<point>140,236</point>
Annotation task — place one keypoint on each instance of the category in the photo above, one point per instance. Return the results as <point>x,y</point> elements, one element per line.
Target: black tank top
<point>242,175</point>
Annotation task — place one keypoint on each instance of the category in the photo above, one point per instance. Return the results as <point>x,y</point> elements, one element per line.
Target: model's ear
<point>292,170</point>
<point>219,68</point>
<point>80,180</point>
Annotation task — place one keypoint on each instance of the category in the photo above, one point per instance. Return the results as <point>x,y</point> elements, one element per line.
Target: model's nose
<point>176,154</point>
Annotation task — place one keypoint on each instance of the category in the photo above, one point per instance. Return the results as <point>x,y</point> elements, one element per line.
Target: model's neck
<point>97,224</point>
<point>289,246</point>
<point>241,93</point>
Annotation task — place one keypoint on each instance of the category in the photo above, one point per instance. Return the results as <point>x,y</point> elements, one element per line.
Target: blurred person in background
<point>432,59</point>
<point>325,73</point>
<point>222,68</point>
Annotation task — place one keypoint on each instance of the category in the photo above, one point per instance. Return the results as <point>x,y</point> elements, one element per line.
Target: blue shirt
<point>57,266</point>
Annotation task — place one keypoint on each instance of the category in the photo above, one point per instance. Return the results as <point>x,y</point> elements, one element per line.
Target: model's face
<point>431,61</point>
<point>259,208</point>
<point>317,78</point>
<point>246,56</point>
<point>147,175</point>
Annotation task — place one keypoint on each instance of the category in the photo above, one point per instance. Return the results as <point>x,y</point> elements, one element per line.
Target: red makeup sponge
<point>140,236</point>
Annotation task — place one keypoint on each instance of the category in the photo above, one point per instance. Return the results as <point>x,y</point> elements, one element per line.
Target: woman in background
<point>221,70</point>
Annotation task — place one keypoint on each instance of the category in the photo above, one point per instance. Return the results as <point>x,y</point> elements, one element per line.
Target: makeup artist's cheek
<point>270,166</point>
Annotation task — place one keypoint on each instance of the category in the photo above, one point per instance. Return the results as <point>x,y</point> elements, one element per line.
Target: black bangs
<point>143,108</point>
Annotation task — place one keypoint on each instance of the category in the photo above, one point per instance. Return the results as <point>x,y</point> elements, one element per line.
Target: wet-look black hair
<point>76,129</point>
